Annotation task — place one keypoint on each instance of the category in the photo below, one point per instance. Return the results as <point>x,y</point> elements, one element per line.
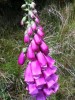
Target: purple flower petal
<point>40,82</point>
<point>33,26</point>
<point>54,69</point>
<point>29,30</point>
<point>40,96</point>
<point>40,33</point>
<point>50,83</point>
<point>47,73</point>
<point>50,61</point>
<point>30,54</point>
<point>28,74</point>
<point>36,69</point>
<point>26,38</point>
<point>44,48</point>
<point>55,87</point>
<point>48,92</point>
<point>37,39</point>
<point>42,60</point>
<point>32,89</point>
<point>34,46</point>
<point>55,77</point>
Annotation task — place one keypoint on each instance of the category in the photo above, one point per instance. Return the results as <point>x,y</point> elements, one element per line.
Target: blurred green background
<point>58,19</point>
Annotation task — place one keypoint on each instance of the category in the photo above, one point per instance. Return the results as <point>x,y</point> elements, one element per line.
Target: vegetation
<point>58,21</point>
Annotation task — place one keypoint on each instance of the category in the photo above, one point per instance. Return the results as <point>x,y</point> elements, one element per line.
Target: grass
<point>59,26</point>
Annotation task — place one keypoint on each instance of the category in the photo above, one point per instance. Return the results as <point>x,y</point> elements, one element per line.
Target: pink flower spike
<point>28,74</point>
<point>40,33</point>
<point>30,54</point>
<point>41,59</point>
<point>29,31</point>
<point>37,39</point>
<point>26,38</point>
<point>32,89</point>
<point>44,48</point>
<point>36,69</point>
<point>21,58</point>
<point>34,46</point>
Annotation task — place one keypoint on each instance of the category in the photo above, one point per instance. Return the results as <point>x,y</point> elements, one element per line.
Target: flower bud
<point>23,6</point>
<point>32,5</point>
<point>31,14</point>
<point>40,27</point>
<point>40,33</point>
<point>26,38</point>
<point>37,39</point>
<point>44,48</point>
<point>21,58</point>
<point>37,20</point>
<point>30,54</point>
<point>34,46</point>
<point>35,11</point>
<point>41,59</point>
<point>23,21</point>
<point>29,31</point>
<point>50,61</point>
<point>33,25</point>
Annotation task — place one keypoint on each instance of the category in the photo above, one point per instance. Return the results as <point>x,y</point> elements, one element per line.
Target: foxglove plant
<point>40,73</point>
